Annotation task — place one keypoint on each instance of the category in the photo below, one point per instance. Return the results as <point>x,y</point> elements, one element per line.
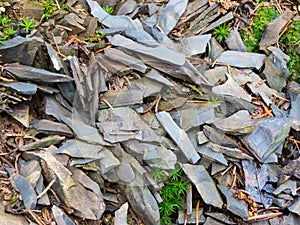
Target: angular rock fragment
<point>20,50</point>
<point>29,73</point>
<point>290,184</point>
<point>211,221</point>
<point>272,31</point>
<point>50,127</point>
<point>268,135</point>
<point>44,142</point>
<point>123,98</point>
<point>195,45</point>
<point>295,207</point>
<point>121,215</point>
<point>204,184</point>
<point>192,217</point>
<point>276,71</point>
<point>206,151</point>
<point>27,192</point>
<point>86,203</point>
<point>60,217</point>
<point>239,123</point>
<point>235,42</point>
<point>242,59</point>
<point>236,206</point>
<point>231,88</point>
<point>179,136</point>
<point>21,87</point>
<point>220,217</point>
<point>231,152</point>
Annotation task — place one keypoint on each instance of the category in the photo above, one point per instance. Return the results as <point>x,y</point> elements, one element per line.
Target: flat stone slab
<point>242,59</point>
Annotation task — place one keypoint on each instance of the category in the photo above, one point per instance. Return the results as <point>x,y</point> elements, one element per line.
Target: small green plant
<point>173,191</point>
<point>214,100</point>
<point>49,8</point>
<point>27,24</point>
<point>108,9</point>
<point>9,31</point>
<point>4,20</point>
<point>290,42</point>
<point>64,7</point>
<point>252,35</point>
<point>221,32</point>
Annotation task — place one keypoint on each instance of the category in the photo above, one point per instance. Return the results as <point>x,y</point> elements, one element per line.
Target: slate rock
<point>27,192</point>
<point>60,217</point>
<point>121,215</point>
<point>51,127</point>
<point>268,135</point>
<point>74,22</point>
<point>179,136</point>
<point>236,206</point>
<point>211,221</point>
<point>44,142</point>
<point>272,32</point>
<point>28,73</point>
<point>276,71</point>
<point>239,123</point>
<point>204,184</point>
<point>220,217</point>
<point>289,184</point>
<point>235,42</point>
<point>231,88</point>
<point>195,45</point>
<point>123,97</point>
<point>295,206</point>
<point>242,59</point>
<point>21,87</point>
<point>11,219</point>
<point>20,50</point>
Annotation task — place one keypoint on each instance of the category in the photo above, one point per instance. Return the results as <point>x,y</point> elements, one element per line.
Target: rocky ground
<point>159,112</point>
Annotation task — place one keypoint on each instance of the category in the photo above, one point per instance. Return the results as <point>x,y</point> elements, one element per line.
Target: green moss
<point>252,35</point>
<point>173,191</point>
<point>221,32</point>
<point>290,42</point>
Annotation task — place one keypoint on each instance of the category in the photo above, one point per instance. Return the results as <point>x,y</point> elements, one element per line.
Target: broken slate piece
<point>50,127</point>
<point>239,123</point>
<point>276,71</point>
<point>44,142</point>
<point>267,136</point>
<point>295,207</point>
<point>160,52</point>
<point>231,152</point>
<point>28,73</point>
<point>206,151</point>
<point>20,50</point>
<point>121,215</point>
<point>60,217</point>
<point>195,45</point>
<point>235,42</point>
<point>231,88</point>
<point>242,59</point>
<point>179,136</point>
<point>219,138</point>
<point>123,98</point>
<point>236,206</point>
<point>272,32</point>
<point>290,184</point>
<point>224,19</point>
<point>26,190</point>
<point>21,87</point>
<point>169,16</point>
<point>85,132</point>
<point>278,51</point>
<point>204,184</point>
<point>220,217</point>
<point>202,139</point>
<point>155,75</point>
<point>211,221</point>
<point>192,217</point>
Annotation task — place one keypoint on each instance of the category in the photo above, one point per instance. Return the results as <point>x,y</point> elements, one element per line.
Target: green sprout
<point>173,191</point>
<point>9,31</point>
<point>108,9</point>
<point>64,7</point>
<point>27,24</point>
<point>49,8</point>
<point>222,32</point>
<point>4,20</point>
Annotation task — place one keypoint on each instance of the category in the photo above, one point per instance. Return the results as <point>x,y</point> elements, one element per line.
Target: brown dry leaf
<point>226,4</point>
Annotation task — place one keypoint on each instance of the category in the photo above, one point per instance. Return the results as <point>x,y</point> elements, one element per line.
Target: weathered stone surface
<point>235,42</point>
<point>242,59</point>
<point>204,184</point>
<point>44,142</point>
<point>267,136</point>
<point>121,215</point>
<point>273,29</point>
<point>29,73</point>
<point>21,87</point>
<point>295,207</point>
<point>179,136</point>
<point>74,22</point>
<point>236,206</point>
<point>276,71</point>
<point>239,123</point>
<point>195,45</point>
<point>50,127</point>
<point>60,217</point>
<point>10,219</point>
<point>20,50</point>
